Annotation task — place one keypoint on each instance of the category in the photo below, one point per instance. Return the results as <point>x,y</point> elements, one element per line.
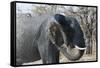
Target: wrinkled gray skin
<point>33,43</point>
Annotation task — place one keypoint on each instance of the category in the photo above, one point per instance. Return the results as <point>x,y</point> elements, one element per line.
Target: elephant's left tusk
<point>80,47</point>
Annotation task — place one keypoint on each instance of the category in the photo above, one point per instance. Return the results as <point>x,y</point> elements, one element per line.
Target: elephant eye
<point>53,29</point>
<point>55,33</point>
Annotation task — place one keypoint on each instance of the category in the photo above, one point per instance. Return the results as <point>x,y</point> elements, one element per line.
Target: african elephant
<point>44,36</point>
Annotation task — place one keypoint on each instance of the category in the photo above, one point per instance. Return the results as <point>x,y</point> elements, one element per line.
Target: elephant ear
<point>76,52</point>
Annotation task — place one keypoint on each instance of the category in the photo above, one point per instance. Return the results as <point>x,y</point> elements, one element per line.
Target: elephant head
<point>66,34</point>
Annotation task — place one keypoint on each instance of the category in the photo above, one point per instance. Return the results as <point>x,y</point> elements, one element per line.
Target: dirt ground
<point>63,59</point>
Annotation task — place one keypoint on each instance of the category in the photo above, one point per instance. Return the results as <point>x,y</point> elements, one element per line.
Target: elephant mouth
<point>66,49</point>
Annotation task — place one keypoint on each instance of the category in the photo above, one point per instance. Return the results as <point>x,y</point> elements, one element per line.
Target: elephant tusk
<point>80,47</point>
